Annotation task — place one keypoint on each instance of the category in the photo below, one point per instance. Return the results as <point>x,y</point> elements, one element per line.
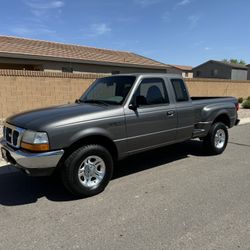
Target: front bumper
<point>28,160</point>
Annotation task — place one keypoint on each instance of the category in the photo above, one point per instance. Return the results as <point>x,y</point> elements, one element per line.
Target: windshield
<point>109,90</point>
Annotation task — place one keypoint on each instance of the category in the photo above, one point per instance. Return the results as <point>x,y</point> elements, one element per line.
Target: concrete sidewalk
<point>245,120</point>
<point>244,113</point>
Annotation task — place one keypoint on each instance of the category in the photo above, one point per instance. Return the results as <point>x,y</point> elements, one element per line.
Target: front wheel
<point>216,140</point>
<point>88,170</point>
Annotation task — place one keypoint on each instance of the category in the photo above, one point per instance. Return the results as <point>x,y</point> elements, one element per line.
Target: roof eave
<point>72,60</point>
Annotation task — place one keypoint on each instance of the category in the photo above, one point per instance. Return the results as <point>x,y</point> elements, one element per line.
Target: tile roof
<point>37,49</point>
<point>182,67</point>
<point>231,65</point>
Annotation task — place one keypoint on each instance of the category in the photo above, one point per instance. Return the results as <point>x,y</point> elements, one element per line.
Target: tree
<point>235,61</point>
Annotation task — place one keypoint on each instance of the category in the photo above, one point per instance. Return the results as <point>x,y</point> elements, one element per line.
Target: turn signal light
<point>35,147</point>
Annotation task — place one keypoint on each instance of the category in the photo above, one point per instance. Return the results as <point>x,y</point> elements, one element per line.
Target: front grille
<point>12,135</point>
<point>8,134</point>
<point>15,137</point>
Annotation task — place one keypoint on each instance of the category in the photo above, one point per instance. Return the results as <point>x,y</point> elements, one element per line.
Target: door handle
<point>170,113</point>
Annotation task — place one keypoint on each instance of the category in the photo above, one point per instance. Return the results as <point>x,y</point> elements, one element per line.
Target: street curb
<point>244,121</point>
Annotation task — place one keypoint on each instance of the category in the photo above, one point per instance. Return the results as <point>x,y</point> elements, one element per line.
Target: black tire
<point>210,140</point>
<point>70,168</point>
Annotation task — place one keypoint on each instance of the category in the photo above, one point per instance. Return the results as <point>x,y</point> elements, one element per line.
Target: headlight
<point>35,141</point>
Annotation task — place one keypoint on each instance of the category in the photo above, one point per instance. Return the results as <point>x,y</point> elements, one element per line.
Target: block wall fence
<point>26,90</point>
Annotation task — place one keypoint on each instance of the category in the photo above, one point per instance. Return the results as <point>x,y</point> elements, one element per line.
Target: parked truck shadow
<point>158,157</point>
<point>17,188</point>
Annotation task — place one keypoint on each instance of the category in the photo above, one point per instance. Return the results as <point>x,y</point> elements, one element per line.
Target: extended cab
<point>117,116</point>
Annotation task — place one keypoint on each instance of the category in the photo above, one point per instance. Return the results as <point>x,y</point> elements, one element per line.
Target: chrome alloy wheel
<point>220,138</point>
<point>91,171</point>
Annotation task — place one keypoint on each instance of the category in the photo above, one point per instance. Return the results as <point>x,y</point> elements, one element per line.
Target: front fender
<point>89,132</point>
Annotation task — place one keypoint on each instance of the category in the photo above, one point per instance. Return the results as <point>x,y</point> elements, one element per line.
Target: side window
<point>151,91</point>
<point>180,90</point>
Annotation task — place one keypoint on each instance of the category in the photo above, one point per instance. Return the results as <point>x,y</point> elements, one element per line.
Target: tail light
<point>237,106</point>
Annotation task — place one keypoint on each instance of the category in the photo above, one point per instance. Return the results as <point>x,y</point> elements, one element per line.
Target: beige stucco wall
<point>25,90</point>
<point>218,87</point>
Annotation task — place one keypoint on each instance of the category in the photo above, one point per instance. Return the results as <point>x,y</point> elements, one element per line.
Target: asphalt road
<point>173,198</point>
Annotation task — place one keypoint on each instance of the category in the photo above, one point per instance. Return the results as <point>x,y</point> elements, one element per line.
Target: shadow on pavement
<point>17,188</point>
<point>158,157</point>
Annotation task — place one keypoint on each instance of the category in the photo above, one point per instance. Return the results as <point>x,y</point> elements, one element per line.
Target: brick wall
<point>25,90</point>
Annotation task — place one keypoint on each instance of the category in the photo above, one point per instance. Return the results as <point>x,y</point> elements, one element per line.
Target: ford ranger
<point>117,116</point>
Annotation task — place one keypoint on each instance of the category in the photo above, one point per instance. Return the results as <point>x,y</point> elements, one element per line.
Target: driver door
<point>154,122</point>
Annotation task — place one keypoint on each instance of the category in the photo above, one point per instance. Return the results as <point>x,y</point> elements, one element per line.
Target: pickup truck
<point>116,117</point>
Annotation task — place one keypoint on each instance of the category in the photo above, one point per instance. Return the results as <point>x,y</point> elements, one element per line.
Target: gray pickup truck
<point>116,117</point>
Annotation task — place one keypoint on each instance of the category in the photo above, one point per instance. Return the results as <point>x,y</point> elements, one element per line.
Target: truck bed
<point>200,103</point>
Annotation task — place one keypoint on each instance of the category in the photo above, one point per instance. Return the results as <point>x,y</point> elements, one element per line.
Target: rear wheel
<point>88,170</point>
<point>216,140</point>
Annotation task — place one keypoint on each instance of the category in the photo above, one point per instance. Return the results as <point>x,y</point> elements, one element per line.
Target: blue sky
<point>186,32</point>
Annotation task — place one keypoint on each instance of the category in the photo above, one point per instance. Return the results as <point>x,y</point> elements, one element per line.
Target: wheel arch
<point>99,139</point>
<point>224,118</point>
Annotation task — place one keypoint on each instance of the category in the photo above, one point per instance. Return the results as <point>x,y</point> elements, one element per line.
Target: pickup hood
<point>44,119</point>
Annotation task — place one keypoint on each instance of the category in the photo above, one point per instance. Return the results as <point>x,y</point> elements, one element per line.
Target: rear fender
<point>211,112</point>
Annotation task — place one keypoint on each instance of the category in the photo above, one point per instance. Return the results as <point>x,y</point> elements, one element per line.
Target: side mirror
<point>132,106</point>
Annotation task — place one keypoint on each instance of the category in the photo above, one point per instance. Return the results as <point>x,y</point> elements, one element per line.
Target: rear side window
<point>180,90</point>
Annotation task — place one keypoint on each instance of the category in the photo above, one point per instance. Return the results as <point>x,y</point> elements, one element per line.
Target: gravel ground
<point>244,113</point>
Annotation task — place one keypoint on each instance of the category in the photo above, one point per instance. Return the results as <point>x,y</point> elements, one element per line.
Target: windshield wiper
<point>95,101</point>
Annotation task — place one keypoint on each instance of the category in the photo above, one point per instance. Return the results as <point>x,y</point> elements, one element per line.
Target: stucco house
<point>27,54</point>
<point>248,72</point>
<point>221,70</point>
<point>185,71</point>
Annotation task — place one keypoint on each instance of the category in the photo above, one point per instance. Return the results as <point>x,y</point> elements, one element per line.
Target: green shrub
<point>248,98</point>
<point>246,104</point>
<point>240,99</point>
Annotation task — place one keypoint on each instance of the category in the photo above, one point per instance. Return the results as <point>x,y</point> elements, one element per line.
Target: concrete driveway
<point>172,198</point>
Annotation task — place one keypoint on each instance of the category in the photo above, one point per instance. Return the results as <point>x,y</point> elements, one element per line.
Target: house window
<point>214,72</point>
<point>198,73</point>
<point>67,69</point>
<point>186,74</point>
